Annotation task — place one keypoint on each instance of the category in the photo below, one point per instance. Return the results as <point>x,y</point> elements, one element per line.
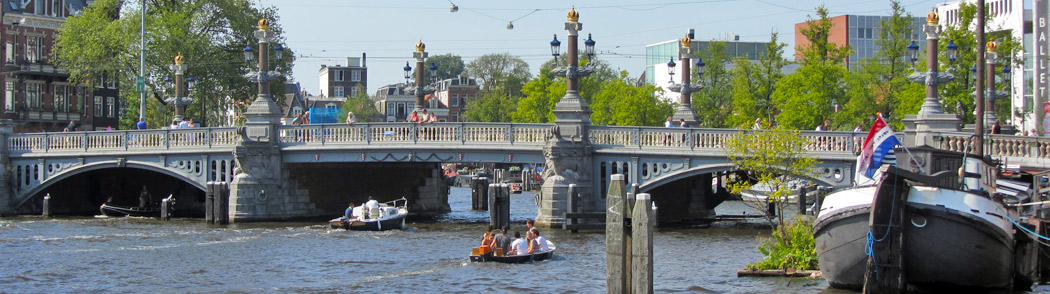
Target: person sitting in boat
<point>519,246</point>
<point>349,214</point>
<point>502,240</point>
<point>531,240</point>
<point>541,243</point>
<point>369,206</point>
<point>488,240</point>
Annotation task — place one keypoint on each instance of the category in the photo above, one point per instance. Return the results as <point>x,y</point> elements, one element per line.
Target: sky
<point>327,31</point>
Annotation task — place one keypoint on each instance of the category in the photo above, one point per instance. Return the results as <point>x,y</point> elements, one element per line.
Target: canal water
<point>146,255</point>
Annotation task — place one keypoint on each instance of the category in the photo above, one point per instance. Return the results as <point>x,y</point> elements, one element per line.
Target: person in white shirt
<point>350,118</point>
<point>519,246</point>
<point>372,203</point>
<point>669,123</point>
<point>540,241</point>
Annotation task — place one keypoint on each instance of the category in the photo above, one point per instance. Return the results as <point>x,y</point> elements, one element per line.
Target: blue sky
<point>328,31</point>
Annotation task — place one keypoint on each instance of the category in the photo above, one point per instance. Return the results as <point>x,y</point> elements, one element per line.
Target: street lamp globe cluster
<point>990,94</point>
<point>572,109</point>
<point>685,113</point>
<point>263,110</point>
<point>932,77</point>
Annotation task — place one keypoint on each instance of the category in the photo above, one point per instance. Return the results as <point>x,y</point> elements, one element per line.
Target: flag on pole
<point>880,141</point>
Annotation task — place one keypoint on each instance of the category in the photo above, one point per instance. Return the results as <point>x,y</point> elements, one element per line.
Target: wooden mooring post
<point>216,203</point>
<point>479,196</point>
<point>885,268</point>
<point>47,205</point>
<point>628,240</point>
<point>499,201</point>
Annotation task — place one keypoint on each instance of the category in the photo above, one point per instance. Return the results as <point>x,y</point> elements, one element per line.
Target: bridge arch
<point>26,196</point>
<point>720,167</point>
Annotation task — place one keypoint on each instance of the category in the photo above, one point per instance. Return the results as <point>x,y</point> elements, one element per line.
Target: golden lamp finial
<point>573,15</point>
<point>178,59</point>
<point>991,46</point>
<point>420,46</point>
<point>932,18</point>
<point>264,24</point>
<point>686,42</point>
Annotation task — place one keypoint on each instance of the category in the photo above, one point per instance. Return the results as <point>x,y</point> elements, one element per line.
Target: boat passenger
<point>519,246</point>
<point>529,223</point>
<point>371,204</point>
<point>541,242</point>
<point>349,214</point>
<point>488,240</point>
<point>531,240</point>
<point>503,240</point>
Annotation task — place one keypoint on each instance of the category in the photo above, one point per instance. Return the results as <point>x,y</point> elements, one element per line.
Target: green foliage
<point>449,66</point>
<point>753,85</point>
<point>209,34</point>
<point>500,71</point>
<point>362,106</point>
<point>772,158</point>
<point>713,102</point>
<point>621,103</point>
<point>880,84</point>
<point>806,96</point>
<point>796,248</point>
<point>492,106</point>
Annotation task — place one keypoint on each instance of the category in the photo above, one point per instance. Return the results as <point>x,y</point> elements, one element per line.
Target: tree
<point>713,103</point>
<point>753,84</point>
<point>210,35</point>
<point>880,84</point>
<point>544,91</point>
<point>494,105</point>
<point>806,95</point>
<point>363,107</point>
<point>621,103</point>
<point>500,71</point>
<point>773,158</point>
<point>449,66</point>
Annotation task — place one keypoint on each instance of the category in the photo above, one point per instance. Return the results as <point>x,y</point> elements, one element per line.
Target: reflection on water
<point>186,255</point>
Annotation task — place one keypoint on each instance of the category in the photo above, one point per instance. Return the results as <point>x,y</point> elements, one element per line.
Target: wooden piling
<point>209,203</point>
<point>47,205</point>
<point>616,247</point>
<point>802,200</point>
<point>642,245</point>
<point>165,208</point>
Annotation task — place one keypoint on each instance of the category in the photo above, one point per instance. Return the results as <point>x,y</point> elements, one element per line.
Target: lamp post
<point>419,90</point>
<point>263,110</point>
<point>179,100</point>
<point>572,110</point>
<point>685,112</point>
<point>991,57</point>
<point>932,77</point>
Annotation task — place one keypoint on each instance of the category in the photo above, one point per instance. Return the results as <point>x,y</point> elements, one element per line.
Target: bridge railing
<point>450,133</point>
<point>711,139</point>
<point>130,140</point>
<point>997,145</point>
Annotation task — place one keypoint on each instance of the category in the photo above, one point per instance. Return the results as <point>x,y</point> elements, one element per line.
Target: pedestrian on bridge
<point>141,124</point>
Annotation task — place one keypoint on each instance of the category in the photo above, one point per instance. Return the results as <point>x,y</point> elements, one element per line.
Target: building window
<point>81,105</point>
<point>355,75</point>
<point>331,106</point>
<point>111,106</point>
<point>98,106</point>
<point>10,55</point>
<point>33,49</point>
<point>401,110</point>
<point>40,8</point>
<point>61,96</point>
<point>111,81</point>
<point>338,92</point>
<point>338,75</point>
<point>101,81</point>
<point>390,109</point>
<point>33,98</point>
<point>56,8</point>
<point>9,96</point>
<point>353,92</point>
<point>455,100</point>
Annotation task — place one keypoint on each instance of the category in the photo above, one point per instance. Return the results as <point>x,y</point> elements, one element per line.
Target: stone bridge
<point>649,157</point>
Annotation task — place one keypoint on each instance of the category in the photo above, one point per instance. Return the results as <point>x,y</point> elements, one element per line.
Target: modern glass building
<point>657,55</point>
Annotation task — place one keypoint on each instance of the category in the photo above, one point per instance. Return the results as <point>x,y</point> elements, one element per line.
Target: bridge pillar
<point>568,161</point>
<point>7,192</point>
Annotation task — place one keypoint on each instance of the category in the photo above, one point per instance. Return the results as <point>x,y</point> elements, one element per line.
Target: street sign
<point>140,84</point>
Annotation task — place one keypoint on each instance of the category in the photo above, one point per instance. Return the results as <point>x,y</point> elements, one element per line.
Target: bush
<point>798,250</point>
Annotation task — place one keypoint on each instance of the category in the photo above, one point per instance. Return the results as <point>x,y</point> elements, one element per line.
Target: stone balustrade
<point>998,145</point>
<point>131,140</point>
<point>452,133</point>
<point>694,139</point>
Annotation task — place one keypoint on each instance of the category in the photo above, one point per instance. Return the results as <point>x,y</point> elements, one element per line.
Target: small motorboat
<point>113,210</point>
<point>479,254</point>
<point>388,216</point>
<point>149,211</point>
<point>515,188</point>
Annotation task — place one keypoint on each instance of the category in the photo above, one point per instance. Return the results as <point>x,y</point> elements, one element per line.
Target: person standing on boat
<point>503,240</point>
<point>144,198</point>
<point>519,246</point>
<point>371,204</point>
<point>541,242</point>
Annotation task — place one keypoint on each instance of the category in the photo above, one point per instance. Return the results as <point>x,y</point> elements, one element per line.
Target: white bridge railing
<point>132,140</point>
<point>445,133</point>
<point>713,139</point>
<point>997,145</point>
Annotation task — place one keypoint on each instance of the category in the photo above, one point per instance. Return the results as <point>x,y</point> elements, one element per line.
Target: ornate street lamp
<point>555,49</point>
<point>263,112</point>
<point>433,71</point>
<point>179,99</point>
<point>420,90</point>
<point>670,70</point>
<point>571,110</point>
<point>685,112</point>
<point>588,47</point>
<point>932,77</point>
<point>990,94</point>
<point>913,53</point>
<point>700,65</point>
<point>278,51</point>
<point>408,72</point>
<point>953,52</point>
